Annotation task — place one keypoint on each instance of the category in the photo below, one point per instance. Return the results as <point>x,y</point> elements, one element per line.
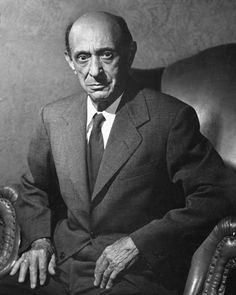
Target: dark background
<point>32,67</point>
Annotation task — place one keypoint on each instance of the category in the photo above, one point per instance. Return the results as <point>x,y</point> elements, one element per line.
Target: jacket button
<point>62,255</point>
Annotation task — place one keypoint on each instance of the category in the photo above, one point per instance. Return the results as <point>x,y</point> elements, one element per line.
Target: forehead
<point>94,35</point>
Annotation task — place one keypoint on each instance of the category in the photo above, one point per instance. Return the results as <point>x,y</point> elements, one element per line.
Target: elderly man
<point>120,181</point>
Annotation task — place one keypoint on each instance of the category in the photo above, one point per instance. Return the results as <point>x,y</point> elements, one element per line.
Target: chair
<point>213,260</point>
<point>10,231</point>
<point>207,81</point>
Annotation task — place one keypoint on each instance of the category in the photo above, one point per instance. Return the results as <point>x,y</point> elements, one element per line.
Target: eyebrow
<point>100,50</point>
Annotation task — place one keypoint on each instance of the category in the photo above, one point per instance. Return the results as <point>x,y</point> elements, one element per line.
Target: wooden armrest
<point>213,260</point>
<point>10,241</point>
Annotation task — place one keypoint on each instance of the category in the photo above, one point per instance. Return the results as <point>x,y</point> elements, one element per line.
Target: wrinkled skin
<point>38,261</point>
<point>115,259</point>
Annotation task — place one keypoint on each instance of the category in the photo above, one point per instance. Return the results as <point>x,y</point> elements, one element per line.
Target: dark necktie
<point>95,149</point>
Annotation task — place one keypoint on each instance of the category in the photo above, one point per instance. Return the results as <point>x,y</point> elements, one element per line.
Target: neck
<point>101,106</point>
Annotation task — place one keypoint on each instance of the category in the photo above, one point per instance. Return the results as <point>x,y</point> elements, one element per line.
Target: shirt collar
<point>107,113</point>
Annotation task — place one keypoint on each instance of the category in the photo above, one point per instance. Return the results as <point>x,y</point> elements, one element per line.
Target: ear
<point>132,51</point>
<point>69,60</point>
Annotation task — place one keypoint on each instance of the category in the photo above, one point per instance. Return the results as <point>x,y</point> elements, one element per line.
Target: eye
<point>81,58</point>
<point>107,55</point>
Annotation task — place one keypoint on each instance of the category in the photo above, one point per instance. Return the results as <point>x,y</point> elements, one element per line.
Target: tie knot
<point>97,120</point>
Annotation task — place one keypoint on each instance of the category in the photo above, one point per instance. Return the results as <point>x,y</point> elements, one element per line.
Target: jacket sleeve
<point>207,185</point>
<point>32,206</point>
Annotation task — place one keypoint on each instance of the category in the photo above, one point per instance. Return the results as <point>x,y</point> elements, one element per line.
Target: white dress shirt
<point>109,115</point>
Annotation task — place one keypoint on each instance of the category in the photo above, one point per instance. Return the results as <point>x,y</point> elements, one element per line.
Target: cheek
<point>82,79</point>
<point>81,70</point>
<point>112,73</point>
<point>81,73</point>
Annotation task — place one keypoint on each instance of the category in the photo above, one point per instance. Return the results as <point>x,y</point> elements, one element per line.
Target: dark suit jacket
<point>160,180</point>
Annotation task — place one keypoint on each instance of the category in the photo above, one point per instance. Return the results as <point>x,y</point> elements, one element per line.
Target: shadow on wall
<point>207,81</point>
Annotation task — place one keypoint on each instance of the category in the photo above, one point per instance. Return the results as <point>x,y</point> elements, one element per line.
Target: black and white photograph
<point>118,147</point>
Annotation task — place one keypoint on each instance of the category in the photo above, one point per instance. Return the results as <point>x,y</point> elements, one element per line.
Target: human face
<point>101,65</point>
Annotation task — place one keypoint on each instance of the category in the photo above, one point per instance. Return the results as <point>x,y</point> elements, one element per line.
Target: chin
<point>99,97</point>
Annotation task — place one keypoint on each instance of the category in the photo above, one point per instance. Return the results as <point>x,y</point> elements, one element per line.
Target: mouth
<point>96,86</point>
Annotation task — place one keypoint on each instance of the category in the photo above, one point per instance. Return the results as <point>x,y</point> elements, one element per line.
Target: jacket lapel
<point>75,140</point>
<point>124,138</point>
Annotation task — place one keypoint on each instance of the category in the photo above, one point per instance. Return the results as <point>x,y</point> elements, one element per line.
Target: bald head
<point>100,51</point>
<point>113,24</point>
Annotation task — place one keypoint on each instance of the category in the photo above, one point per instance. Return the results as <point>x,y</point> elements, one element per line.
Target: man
<point>120,182</point>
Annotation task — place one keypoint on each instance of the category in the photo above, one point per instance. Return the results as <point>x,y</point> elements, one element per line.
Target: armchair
<point>207,81</point>
<point>10,231</point>
<point>213,260</point>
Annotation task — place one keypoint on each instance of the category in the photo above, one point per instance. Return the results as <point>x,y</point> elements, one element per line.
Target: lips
<point>96,86</point>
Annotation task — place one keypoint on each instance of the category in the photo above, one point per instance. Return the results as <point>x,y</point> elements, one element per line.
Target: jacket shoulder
<point>163,109</point>
<point>58,107</point>
<point>162,100</point>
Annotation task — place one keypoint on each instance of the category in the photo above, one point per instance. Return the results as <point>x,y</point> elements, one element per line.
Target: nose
<point>95,67</point>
